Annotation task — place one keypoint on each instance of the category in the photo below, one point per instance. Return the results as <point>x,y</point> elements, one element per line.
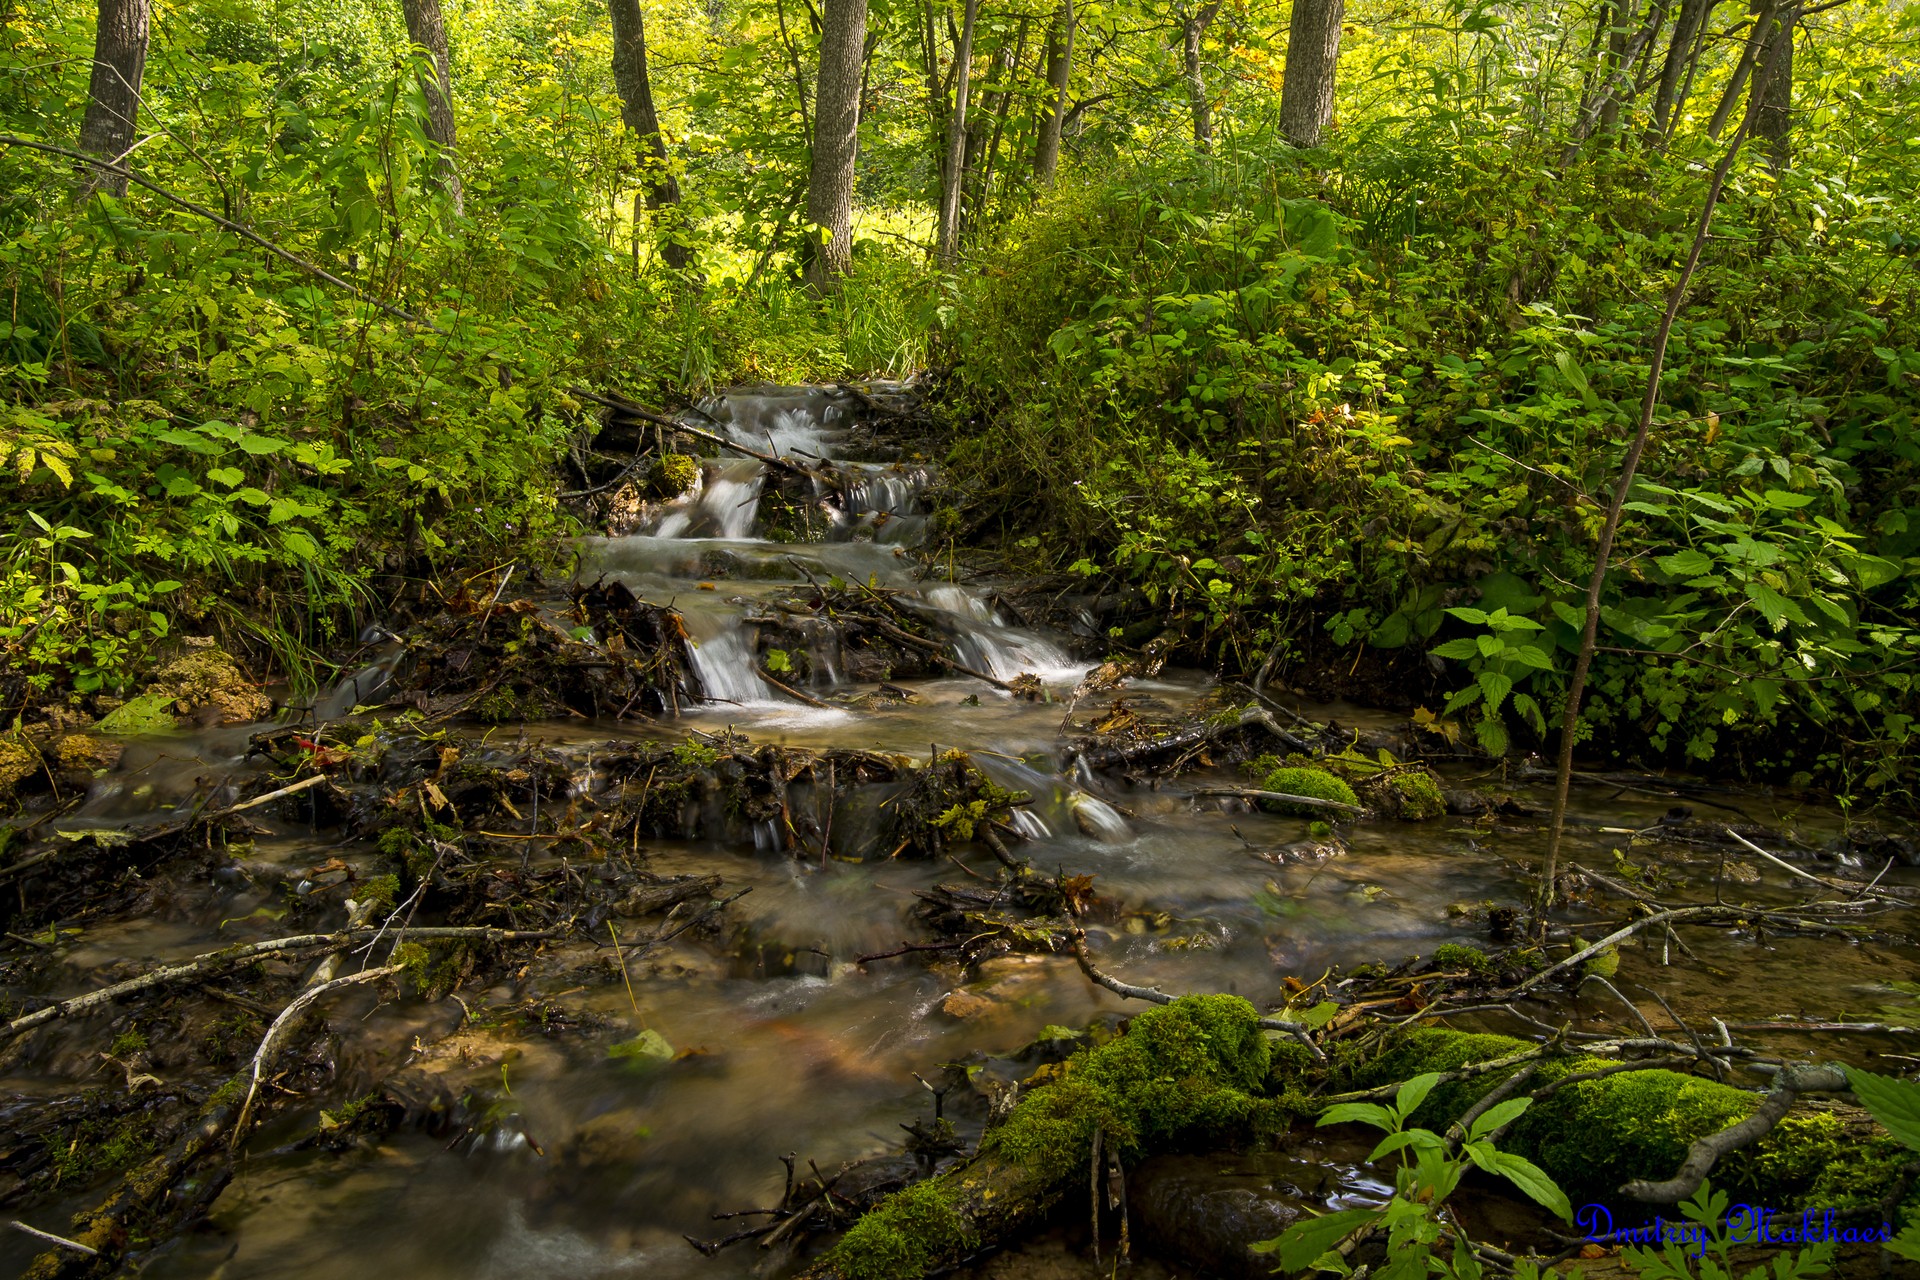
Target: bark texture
<point>953,173</point>
<point>836,139</point>
<point>1681,50</point>
<point>427,29</point>
<point>1774,125</point>
<point>1046,149</point>
<point>113,93</point>
<point>1193,30</point>
<point>662,190</point>
<point>1313,56</point>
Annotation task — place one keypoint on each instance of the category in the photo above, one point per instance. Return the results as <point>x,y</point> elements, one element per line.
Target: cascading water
<point>706,553</point>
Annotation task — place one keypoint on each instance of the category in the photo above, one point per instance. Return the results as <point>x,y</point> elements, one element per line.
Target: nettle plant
<point>1507,653</point>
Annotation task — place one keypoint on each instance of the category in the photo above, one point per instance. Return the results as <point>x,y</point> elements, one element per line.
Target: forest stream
<point>588,1108</point>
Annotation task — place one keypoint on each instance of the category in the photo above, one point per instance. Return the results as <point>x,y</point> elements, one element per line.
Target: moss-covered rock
<point>671,475</point>
<point>206,680</point>
<point>1193,1068</point>
<point>1596,1135</point>
<point>1317,784</point>
<point>17,764</point>
<point>81,755</point>
<point>1414,795</point>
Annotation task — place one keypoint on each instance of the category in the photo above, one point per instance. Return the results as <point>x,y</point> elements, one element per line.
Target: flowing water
<point>786,1044</point>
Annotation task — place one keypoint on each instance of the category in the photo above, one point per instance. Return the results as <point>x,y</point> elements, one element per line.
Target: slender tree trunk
<point>1193,30</point>
<point>836,139</point>
<point>426,28</point>
<point>1686,27</point>
<point>955,171</point>
<point>636,108</point>
<point>1762,11</point>
<point>1649,403</point>
<point>1313,58</point>
<point>113,92</point>
<point>1046,151</point>
<point>1775,123</point>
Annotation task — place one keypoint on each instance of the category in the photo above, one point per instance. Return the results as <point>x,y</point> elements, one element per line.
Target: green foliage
<point>1377,398</point>
<point>1704,1254</point>
<point>1427,1172</point>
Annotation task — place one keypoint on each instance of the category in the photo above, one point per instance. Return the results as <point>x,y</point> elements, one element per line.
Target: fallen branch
<point>233,957</point>
<point>286,1019</point>
<point>1838,886</point>
<point>1706,1152</point>
<point>51,1238</point>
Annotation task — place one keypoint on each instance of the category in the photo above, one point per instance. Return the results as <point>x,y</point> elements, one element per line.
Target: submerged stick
<point>285,1020</point>
<point>1077,937</point>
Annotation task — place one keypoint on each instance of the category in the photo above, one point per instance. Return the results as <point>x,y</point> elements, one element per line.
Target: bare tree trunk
<point>427,29</point>
<point>636,108</point>
<point>955,171</point>
<point>836,139</point>
<point>113,93</point>
<point>1666,99</point>
<point>1774,126</point>
<point>1313,57</point>
<point>1193,30</point>
<point>1046,151</point>
<point>1762,11</point>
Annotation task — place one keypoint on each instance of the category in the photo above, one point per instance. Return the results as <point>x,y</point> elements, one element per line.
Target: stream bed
<point>578,1160</point>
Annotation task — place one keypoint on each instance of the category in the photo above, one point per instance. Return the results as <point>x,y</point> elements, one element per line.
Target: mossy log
<point>1200,1071</point>
<point>1191,1069</point>
<point>1594,1136</point>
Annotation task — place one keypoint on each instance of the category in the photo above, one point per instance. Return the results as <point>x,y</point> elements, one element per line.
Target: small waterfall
<point>723,664</point>
<point>724,505</point>
<point>1097,819</point>
<point>963,602</point>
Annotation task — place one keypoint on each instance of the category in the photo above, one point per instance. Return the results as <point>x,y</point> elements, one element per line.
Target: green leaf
<point>1496,687</point>
<point>1533,1180</point>
<point>191,441</point>
<point>648,1049</point>
<point>1419,1138</point>
<point>1498,1116</point>
<point>1774,606</point>
<point>1462,649</point>
<point>1303,1242</point>
<point>1414,1092</point>
<point>1894,1103</point>
<point>228,476</point>
<point>1357,1113</point>
<point>258,445</point>
<point>1686,564</point>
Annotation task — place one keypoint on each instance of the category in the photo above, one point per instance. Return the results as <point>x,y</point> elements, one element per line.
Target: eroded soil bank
<point>775,863</point>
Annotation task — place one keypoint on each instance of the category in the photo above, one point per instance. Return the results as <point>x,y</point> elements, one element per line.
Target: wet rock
<point>1206,1210</point>
<point>207,684</point>
<point>968,1005</point>
<point>81,756</point>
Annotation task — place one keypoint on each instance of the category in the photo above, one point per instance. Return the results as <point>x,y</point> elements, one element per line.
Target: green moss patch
<point>1316,784</point>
